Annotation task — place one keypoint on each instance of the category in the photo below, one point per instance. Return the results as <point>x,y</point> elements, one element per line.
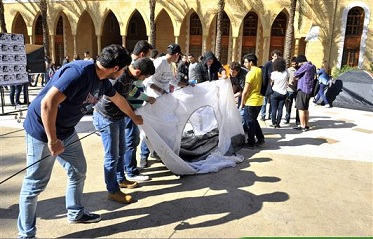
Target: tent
<point>208,109</point>
<point>352,90</point>
<point>35,58</point>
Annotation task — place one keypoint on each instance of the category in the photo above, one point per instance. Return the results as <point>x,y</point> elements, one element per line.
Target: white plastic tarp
<point>164,122</point>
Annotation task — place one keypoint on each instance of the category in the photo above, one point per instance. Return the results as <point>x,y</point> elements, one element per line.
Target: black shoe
<point>87,218</point>
<point>250,146</point>
<point>260,143</point>
<point>298,127</point>
<point>305,129</point>
<point>278,126</point>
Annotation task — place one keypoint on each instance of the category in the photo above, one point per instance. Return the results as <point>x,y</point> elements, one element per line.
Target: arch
<point>136,30</point>
<point>86,36</point>
<point>195,34</point>
<point>249,33</point>
<point>110,30</point>
<point>364,34</point>
<point>164,38</point>
<point>19,26</point>
<point>278,32</point>
<point>38,30</point>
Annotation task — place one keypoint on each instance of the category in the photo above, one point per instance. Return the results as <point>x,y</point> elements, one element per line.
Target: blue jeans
<point>290,98</point>
<point>37,178</point>
<point>114,141</point>
<point>277,104</point>
<point>145,152</point>
<point>251,117</point>
<point>132,141</point>
<point>263,109</point>
<point>15,90</point>
<point>321,94</point>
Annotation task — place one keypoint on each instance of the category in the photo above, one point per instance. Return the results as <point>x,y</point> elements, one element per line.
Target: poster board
<point>13,61</point>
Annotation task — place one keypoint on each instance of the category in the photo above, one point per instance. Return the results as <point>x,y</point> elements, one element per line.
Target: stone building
<point>339,31</point>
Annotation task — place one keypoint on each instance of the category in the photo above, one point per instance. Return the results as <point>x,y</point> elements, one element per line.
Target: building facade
<point>339,31</point>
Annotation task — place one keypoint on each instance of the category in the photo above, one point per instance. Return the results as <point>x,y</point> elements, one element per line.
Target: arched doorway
<point>59,42</point>
<point>354,29</point>
<point>38,31</point>
<point>278,32</point>
<point>111,31</point>
<point>165,36</point>
<point>19,26</point>
<point>249,32</point>
<point>86,39</point>
<point>136,30</point>
<point>195,35</point>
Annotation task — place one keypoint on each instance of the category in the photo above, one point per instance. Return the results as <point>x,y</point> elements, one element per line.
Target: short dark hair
<point>277,52</point>
<point>279,64</point>
<point>145,65</point>
<point>142,46</point>
<point>190,54</point>
<point>293,59</point>
<point>251,57</point>
<point>114,55</point>
<point>235,66</point>
<point>154,53</point>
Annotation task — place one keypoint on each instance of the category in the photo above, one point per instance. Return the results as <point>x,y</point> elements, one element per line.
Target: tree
<point>221,4</point>
<point>2,18</point>
<point>152,22</point>
<point>289,37</point>
<point>43,12</point>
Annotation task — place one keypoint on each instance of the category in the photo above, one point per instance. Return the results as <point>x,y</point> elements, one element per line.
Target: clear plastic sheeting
<point>165,120</point>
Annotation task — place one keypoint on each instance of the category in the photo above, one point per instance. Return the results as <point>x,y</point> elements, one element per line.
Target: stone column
<point>52,48</point>
<point>124,43</point>
<point>98,44</point>
<point>234,49</point>
<point>75,46</point>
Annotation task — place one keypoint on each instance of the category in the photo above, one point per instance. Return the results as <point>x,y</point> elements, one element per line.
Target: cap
<point>173,49</point>
<point>301,58</point>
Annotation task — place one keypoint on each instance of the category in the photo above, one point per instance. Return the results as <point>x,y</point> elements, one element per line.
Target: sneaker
<point>138,178</point>
<point>249,146</point>
<point>305,129</point>
<point>327,106</point>
<point>128,184</point>
<point>260,143</point>
<point>286,122</point>
<point>120,197</point>
<point>87,218</point>
<point>298,127</point>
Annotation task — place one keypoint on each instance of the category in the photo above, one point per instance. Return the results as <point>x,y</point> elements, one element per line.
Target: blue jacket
<point>323,76</point>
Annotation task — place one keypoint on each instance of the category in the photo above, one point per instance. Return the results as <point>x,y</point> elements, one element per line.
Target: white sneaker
<point>138,178</point>
<point>327,106</point>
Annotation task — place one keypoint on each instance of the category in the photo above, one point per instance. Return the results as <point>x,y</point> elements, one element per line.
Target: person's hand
<point>151,100</point>
<point>138,120</point>
<point>56,147</point>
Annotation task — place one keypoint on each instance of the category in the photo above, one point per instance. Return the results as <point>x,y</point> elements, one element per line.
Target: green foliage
<point>337,72</point>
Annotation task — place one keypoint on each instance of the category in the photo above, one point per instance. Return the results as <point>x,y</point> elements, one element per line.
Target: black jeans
<point>251,118</point>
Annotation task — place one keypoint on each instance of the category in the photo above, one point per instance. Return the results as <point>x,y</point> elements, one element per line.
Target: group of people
<point>115,84</point>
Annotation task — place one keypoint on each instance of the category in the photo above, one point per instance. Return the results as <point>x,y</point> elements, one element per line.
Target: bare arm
<point>123,105</point>
<point>49,109</point>
<point>245,94</point>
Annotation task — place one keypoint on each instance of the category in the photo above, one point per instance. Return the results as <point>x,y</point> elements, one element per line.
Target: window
<point>355,21</point>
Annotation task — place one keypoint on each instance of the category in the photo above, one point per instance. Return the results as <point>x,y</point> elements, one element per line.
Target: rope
<point>20,171</point>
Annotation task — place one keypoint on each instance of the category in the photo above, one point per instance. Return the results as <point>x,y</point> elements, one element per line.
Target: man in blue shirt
<point>306,76</point>
<point>50,131</point>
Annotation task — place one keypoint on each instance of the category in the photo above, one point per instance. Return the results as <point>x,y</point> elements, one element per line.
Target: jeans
<point>277,104</point>
<point>251,117</point>
<point>321,94</point>
<point>15,90</point>
<point>38,175</point>
<point>290,98</point>
<point>145,152</point>
<point>132,141</point>
<point>114,142</point>
<point>244,125</point>
<point>263,109</point>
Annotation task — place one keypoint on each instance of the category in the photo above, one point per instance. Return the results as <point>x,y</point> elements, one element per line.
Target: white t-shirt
<point>164,76</point>
<point>192,73</point>
<point>280,81</point>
